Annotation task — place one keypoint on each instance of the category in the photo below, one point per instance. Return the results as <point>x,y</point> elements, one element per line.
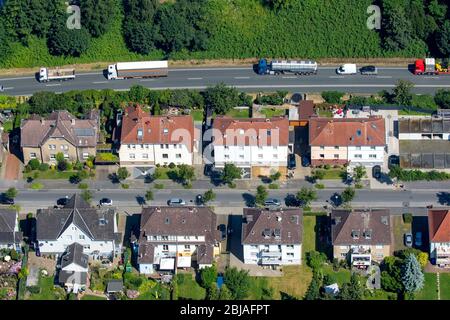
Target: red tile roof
<point>251,132</point>
<point>347,132</point>
<point>439,225</point>
<point>156,129</point>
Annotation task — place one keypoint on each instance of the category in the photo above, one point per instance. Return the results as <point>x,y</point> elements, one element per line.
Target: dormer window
<point>140,133</point>
<point>368,234</point>
<point>166,131</point>
<point>355,234</point>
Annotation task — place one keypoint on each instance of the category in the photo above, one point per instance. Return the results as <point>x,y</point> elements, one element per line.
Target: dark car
<point>305,161</point>
<point>208,170</point>
<point>393,160</point>
<point>223,231</point>
<point>291,161</point>
<point>199,200</point>
<point>6,200</point>
<point>62,201</point>
<point>376,172</point>
<point>369,70</point>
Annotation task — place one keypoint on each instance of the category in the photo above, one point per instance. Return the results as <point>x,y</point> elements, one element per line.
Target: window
<point>166,131</point>
<point>275,156</point>
<point>82,236</point>
<point>378,247</point>
<point>134,146</point>
<point>336,147</point>
<point>167,146</point>
<point>87,246</point>
<point>241,156</point>
<point>226,147</point>
<point>146,146</point>
<point>145,156</point>
<point>290,254</point>
<point>132,156</point>
<point>129,146</point>
<point>358,148</point>
<point>260,156</point>
<point>290,246</point>
<point>66,156</point>
<point>165,247</point>
<point>322,155</point>
<point>165,156</point>
<point>178,156</point>
<point>85,155</point>
<point>142,146</point>
<point>32,155</point>
<point>226,156</point>
<point>174,146</point>
<point>372,155</point>
<point>52,157</point>
<point>187,247</point>
<point>322,147</point>
<point>275,148</point>
<point>52,147</point>
<point>241,148</point>
<point>372,148</point>
<point>162,146</point>
<point>336,156</point>
<point>358,156</point>
<point>165,238</point>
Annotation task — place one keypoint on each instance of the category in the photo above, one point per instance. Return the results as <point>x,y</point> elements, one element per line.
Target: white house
<point>10,236</point>
<point>95,229</point>
<point>176,237</point>
<point>439,234</point>
<point>147,140</point>
<point>73,274</point>
<point>261,146</point>
<point>272,237</point>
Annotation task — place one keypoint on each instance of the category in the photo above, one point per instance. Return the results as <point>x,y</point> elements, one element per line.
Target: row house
<point>176,237</point>
<point>258,146</point>
<point>356,142</point>
<point>146,140</point>
<point>43,138</point>
<point>439,235</point>
<point>272,237</point>
<point>10,236</point>
<point>361,236</point>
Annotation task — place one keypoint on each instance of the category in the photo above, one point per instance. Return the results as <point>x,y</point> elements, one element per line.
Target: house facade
<point>94,229</point>
<point>356,142</point>
<point>73,274</point>
<point>176,237</point>
<point>61,132</point>
<point>272,237</point>
<point>361,236</point>
<point>259,146</point>
<point>439,235</point>
<point>10,236</point>
<point>147,140</point>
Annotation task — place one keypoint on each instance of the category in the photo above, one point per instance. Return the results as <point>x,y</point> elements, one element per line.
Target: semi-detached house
<point>439,235</point>
<point>356,141</point>
<point>147,140</point>
<point>10,236</point>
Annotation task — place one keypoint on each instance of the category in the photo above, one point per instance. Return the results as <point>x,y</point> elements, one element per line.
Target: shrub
<point>34,289</point>
<point>172,165</point>
<point>407,218</point>
<point>327,167</point>
<point>332,96</point>
<point>37,186</point>
<point>159,186</point>
<point>125,186</point>
<point>274,186</point>
<point>315,259</point>
<point>43,167</point>
<point>319,186</point>
<point>34,164</point>
<point>78,166</point>
<point>62,165</point>
<point>83,186</point>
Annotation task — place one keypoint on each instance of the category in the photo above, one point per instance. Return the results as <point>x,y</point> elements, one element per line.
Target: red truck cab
<point>419,66</point>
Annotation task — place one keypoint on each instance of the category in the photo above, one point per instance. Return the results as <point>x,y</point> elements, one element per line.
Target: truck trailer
<point>47,74</point>
<point>304,67</point>
<point>429,66</point>
<point>140,69</point>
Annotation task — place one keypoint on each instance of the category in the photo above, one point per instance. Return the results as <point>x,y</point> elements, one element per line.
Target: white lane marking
<point>53,85</point>
<point>97,82</point>
<point>289,77</point>
<point>146,80</point>
<point>194,78</point>
<point>430,77</point>
<point>384,77</point>
<point>20,78</point>
<point>304,86</point>
<point>242,77</point>
<point>8,88</point>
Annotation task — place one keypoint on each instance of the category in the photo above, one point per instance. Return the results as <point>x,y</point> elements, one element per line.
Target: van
<point>348,68</point>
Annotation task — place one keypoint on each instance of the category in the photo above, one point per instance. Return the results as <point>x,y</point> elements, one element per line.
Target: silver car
<point>176,202</point>
<point>272,203</point>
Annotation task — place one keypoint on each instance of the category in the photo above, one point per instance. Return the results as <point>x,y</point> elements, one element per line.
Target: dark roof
<point>74,254</point>
<point>180,221</point>
<point>8,220</point>
<point>205,254</point>
<point>59,124</point>
<point>97,224</point>
<point>261,226</point>
<point>305,109</point>
<point>146,253</point>
<point>424,125</point>
<point>72,277</point>
<point>427,154</point>
<point>114,286</point>
<point>439,225</point>
<point>360,227</point>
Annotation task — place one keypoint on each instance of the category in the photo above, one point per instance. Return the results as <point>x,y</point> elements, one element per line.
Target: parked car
<point>1,88</point>
<point>408,239</point>
<point>291,161</point>
<point>393,160</point>
<point>272,203</point>
<point>305,161</point>
<point>199,200</point>
<point>6,200</point>
<point>62,201</point>
<point>106,202</point>
<point>376,172</point>
<point>223,231</point>
<point>176,202</point>
<point>369,70</point>
<point>418,239</point>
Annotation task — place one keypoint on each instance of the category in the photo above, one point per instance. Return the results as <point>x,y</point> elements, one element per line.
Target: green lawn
<point>405,112</point>
<point>90,297</point>
<point>309,236</point>
<point>165,173</point>
<point>400,228</point>
<point>342,276</point>
<point>188,288</point>
<point>381,295</point>
<point>50,174</point>
<point>239,113</point>
<point>48,290</point>
<point>197,115</point>
<point>333,174</point>
<point>429,290</point>
<point>444,279</point>
<point>273,112</point>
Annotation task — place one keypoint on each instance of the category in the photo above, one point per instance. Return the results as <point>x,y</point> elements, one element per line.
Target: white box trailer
<point>140,69</point>
<point>47,74</point>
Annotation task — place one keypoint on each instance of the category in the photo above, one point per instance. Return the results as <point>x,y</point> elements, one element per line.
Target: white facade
<point>424,136</point>
<point>152,154</point>
<point>366,155</point>
<point>284,254</point>
<point>74,234</point>
<point>248,156</point>
<point>441,252</point>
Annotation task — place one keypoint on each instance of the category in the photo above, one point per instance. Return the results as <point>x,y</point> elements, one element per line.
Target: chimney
<point>73,121</point>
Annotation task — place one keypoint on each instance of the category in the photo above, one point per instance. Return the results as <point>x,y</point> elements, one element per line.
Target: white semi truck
<point>48,74</point>
<point>140,69</point>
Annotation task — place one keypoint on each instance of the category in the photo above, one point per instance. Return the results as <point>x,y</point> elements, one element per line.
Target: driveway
<point>33,276</point>
<point>12,167</point>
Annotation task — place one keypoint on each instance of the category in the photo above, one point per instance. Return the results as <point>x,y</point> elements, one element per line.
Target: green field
<point>272,112</point>
<point>188,288</point>
<point>429,292</point>
<point>239,113</point>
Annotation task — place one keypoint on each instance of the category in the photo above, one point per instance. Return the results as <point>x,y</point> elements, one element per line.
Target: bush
<point>62,165</point>
<point>83,186</point>
<point>78,166</point>
<point>327,167</point>
<point>34,164</point>
<point>319,186</point>
<point>34,289</point>
<point>315,259</point>
<point>125,186</point>
<point>159,186</point>
<point>44,167</point>
<point>332,96</point>
<point>172,165</point>
<point>407,218</point>
<point>274,186</point>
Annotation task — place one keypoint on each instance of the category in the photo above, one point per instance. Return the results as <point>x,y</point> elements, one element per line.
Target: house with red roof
<point>439,233</point>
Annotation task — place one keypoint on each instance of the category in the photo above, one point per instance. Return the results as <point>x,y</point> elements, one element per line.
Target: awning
<point>184,262</point>
<point>167,264</point>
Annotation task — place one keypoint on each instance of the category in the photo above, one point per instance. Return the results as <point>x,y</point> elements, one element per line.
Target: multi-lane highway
<point>243,78</point>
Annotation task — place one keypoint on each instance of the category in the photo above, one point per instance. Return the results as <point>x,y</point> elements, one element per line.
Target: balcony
<point>269,261</point>
<point>270,254</point>
<point>360,250</point>
<point>361,260</point>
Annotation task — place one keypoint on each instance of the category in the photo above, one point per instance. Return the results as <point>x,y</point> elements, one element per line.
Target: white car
<point>106,202</point>
<point>176,202</point>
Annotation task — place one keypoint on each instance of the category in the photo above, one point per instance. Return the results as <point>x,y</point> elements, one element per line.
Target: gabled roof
<point>251,132</point>
<point>439,225</point>
<point>347,132</point>
<point>97,224</point>
<point>8,220</point>
<point>74,254</point>
<point>60,124</point>
<point>139,127</point>
<point>261,226</point>
<point>360,227</point>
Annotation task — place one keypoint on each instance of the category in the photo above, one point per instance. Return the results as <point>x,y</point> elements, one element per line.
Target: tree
<point>313,292</point>
<point>443,39</point>
<point>208,196</point>
<point>396,27</point>
<point>318,174</point>
<point>208,276</point>
<point>97,15</point>
<point>212,292</point>
<point>352,290</point>
<point>138,93</point>
<point>221,98</point>
<point>359,172</point>
<point>59,157</point>
<point>87,195</point>
<point>225,293</point>
<point>186,173</point>
<point>238,281</point>
<point>275,176</point>
<point>315,259</point>
<point>34,164</point>
<point>229,173</point>
<point>412,275</point>
<point>261,195</point>
<point>423,259</point>
<point>63,41</point>
<point>305,196</point>
<point>391,274</point>
<point>11,193</point>
<point>348,194</point>
<point>149,195</point>
<point>122,173</point>
<point>267,293</point>
<point>402,93</point>
<point>442,98</point>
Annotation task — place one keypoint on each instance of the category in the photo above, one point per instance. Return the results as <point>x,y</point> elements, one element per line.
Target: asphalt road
<point>243,78</point>
<point>130,199</point>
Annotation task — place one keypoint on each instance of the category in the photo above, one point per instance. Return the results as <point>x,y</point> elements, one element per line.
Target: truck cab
<point>112,72</point>
<point>43,75</point>
<point>425,66</point>
<point>262,66</point>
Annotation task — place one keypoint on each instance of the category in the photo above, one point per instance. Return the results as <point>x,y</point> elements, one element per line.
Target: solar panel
<point>84,132</point>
